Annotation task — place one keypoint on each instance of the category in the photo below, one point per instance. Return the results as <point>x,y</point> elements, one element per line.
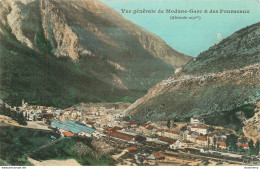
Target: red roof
<point>150,127</point>
<point>89,114</point>
<point>159,130</point>
<point>131,123</point>
<point>107,112</point>
<point>158,155</point>
<point>211,134</point>
<point>187,141</point>
<point>108,128</point>
<point>68,109</point>
<point>190,133</point>
<point>48,115</point>
<point>202,138</point>
<point>67,134</point>
<point>132,149</point>
<point>172,131</point>
<point>243,145</point>
<point>200,127</point>
<point>91,123</point>
<point>221,143</point>
<point>122,136</point>
<point>116,128</point>
<point>168,140</point>
<point>144,125</point>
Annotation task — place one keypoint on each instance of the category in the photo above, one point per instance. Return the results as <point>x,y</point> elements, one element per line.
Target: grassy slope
<point>15,142</point>
<point>62,150</point>
<point>4,163</point>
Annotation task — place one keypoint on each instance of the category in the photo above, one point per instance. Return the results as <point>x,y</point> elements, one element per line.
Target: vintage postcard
<point>130,83</point>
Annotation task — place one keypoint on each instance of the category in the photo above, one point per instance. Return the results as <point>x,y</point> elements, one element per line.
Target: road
<point>187,77</point>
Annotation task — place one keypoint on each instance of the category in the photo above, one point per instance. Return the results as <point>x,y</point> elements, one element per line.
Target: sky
<point>186,35</point>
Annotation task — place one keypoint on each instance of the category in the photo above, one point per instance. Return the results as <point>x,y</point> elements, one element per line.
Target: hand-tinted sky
<point>190,36</point>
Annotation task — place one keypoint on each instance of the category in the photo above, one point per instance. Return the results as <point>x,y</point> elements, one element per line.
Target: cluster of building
<point>97,122</point>
<point>37,113</point>
<point>80,114</point>
<point>195,135</point>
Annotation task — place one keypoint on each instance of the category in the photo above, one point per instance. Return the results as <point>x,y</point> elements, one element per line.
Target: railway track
<point>202,157</point>
<point>44,146</point>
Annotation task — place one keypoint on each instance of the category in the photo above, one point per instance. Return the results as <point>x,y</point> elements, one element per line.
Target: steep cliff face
<point>60,20</point>
<point>150,42</point>
<point>64,41</point>
<point>84,49</point>
<point>15,22</point>
<point>210,84</point>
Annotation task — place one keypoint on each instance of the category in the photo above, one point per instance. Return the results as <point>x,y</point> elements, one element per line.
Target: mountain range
<point>62,52</point>
<point>224,78</point>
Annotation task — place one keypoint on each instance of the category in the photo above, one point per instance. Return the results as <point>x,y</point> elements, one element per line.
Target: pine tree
<point>257,147</point>
<point>251,146</point>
